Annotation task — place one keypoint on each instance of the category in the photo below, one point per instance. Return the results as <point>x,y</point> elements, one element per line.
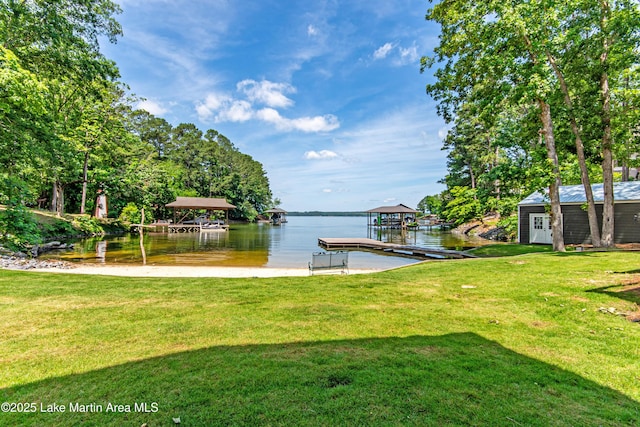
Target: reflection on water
<point>257,245</point>
<point>101,251</point>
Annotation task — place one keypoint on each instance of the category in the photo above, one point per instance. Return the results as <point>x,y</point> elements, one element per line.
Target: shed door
<point>540,228</point>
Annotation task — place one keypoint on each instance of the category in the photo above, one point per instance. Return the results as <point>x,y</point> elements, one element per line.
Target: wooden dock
<point>335,243</point>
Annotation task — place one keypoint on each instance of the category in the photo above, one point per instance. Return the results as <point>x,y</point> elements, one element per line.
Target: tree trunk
<point>607,167</point>
<point>607,140</point>
<point>57,198</point>
<point>554,187</point>
<point>552,154</point>
<point>85,169</point>
<point>584,173</point>
<point>471,175</point>
<point>625,172</point>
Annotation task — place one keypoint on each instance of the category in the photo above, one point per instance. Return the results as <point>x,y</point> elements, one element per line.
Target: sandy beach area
<point>187,271</point>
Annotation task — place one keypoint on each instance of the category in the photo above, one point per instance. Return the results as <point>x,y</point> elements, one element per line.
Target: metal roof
<point>393,209</point>
<point>276,210</point>
<point>622,192</point>
<point>201,203</point>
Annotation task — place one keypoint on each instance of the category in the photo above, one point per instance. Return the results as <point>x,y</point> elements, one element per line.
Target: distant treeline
<point>320,213</point>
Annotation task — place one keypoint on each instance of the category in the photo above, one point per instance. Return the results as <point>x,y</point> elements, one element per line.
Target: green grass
<point>508,249</point>
<point>496,341</point>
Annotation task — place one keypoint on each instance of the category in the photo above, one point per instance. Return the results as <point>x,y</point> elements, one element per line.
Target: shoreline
<point>186,271</point>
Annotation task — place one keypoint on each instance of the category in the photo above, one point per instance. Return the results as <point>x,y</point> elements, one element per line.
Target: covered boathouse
<point>189,204</point>
<point>534,224</point>
<point>398,216</point>
<point>277,216</point>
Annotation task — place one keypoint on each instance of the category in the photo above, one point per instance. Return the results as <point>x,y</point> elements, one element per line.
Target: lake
<point>258,245</point>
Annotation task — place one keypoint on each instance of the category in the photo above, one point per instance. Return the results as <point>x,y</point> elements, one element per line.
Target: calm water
<point>257,245</point>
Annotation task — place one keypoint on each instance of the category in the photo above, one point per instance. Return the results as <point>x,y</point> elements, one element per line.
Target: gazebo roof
<point>393,209</point>
<point>201,203</point>
<point>276,210</point>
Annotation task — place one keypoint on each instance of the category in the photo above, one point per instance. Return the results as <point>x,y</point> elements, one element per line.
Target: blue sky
<point>327,95</point>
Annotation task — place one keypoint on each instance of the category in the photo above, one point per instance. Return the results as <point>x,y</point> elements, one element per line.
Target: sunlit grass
<point>508,249</point>
<point>500,341</point>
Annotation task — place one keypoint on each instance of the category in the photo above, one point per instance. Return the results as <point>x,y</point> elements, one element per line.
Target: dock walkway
<point>335,243</point>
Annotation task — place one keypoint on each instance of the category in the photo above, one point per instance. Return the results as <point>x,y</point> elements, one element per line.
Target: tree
<point>479,43</point>
<point>67,124</point>
<point>204,165</point>
<point>100,127</point>
<point>462,205</point>
<point>431,205</point>
<point>153,130</point>
<point>626,119</point>
<point>616,47</point>
<point>561,57</point>
<point>23,114</point>
<point>60,38</point>
<point>57,41</point>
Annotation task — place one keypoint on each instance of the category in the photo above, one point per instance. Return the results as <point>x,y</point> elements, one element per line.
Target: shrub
<point>58,228</point>
<point>87,225</point>
<point>131,214</point>
<point>510,226</point>
<point>463,206</point>
<point>18,227</point>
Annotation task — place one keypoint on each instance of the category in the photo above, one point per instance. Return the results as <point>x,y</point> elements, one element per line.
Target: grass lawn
<point>508,249</point>
<point>528,340</point>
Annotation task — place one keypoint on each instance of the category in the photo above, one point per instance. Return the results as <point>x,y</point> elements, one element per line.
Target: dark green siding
<point>576,223</point>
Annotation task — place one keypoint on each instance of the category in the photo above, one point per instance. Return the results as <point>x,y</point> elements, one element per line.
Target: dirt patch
<point>542,325</point>
<point>550,294</point>
<point>579,299</point>
<point>634,317</point>
<point>628,246</point>
<point>631,284</point>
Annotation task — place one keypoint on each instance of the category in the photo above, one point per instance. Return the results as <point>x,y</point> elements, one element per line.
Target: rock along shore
<point>22,262</point>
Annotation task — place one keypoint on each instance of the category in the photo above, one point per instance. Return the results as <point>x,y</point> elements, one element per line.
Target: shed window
<point>538,223</point>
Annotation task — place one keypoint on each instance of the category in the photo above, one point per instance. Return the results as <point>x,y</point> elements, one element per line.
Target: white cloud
<point>409,55</point>
<point>237,111</point>
<point>223,108</point>
<point>324,123</point>
<point>312,31</point>
<point>215,101</point>
<point>265,92</point>
<point>327,190</point>
<point>320,155</point>
<point>212,103</point>
<point>382,51</point>
<point>152,107</point>
<point>398,55</point>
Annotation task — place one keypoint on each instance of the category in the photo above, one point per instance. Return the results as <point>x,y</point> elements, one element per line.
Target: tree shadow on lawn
<point>455,379</point>
<point>628,289</point>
